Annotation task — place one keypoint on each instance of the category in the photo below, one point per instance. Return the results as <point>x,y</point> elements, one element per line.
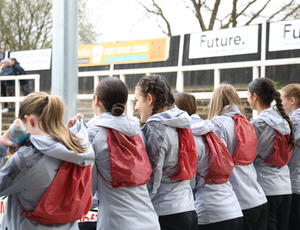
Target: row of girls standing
<point>140,177</point>
<point>168,174</point>
<point>261,177</point>
<point>167,132</point>
<point>136,185</point>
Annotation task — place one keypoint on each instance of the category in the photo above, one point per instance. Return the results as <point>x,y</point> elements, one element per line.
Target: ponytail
<point>117,109</point>
<point>279,106</point>
<point>223,95</point>
<point>50,110</point>
<point>265,89</point>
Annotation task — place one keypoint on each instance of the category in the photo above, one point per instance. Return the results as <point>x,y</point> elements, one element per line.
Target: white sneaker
<point>5,110</point>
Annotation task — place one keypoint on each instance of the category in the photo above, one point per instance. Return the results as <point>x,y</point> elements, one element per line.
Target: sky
<point>120,20</point>
<point>125,20</point>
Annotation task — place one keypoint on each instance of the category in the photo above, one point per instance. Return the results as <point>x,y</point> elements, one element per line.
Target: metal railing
<point>17,98</point>
<point>257,68</point>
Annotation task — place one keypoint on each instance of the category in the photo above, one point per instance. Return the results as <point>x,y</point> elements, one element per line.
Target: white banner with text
<point>225,42</point>
<point>284,35</point>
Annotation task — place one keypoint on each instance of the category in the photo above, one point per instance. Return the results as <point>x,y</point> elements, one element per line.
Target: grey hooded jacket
<point>214,202</point>
<point>244,177</point>
<point>29,172</point>
<point>274,180</point>
<point>124,207</point>
<point>161,140</point>
<point>294,164</point>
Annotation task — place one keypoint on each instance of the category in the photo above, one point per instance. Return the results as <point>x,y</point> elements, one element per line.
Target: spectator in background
<point>8,70</point>
<point>12,67</point>
<point>8,86</point>
<point>1,66</point>
<point>2,88</point>
<point>18,70</point>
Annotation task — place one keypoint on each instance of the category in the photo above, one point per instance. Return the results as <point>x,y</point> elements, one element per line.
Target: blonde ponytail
<point>224,95</point>
<point>50,110</point>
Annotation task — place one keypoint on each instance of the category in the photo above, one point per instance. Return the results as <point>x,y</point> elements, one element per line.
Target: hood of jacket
<point>230,110</point>
<point>130,126</point>
<point>272,117</point>
<point>49,146</point>
<point>295,116</point>
<point>173,117</point>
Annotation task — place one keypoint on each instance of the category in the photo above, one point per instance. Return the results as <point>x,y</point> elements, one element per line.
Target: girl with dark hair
<point>240,138</point>
<point>122,168</point>
<point>216,204</point>
<point>172,153</point>
<point>275,139</point>
<point>290,96</point>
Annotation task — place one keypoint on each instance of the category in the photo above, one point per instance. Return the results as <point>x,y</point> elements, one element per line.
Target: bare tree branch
<point>249,11</point>
<point>255,15</point>
<point>234,13</point>
<point>158,11</point>
<point>214,14</point>
<point>283,8</point>
<point>239,14</point>
<point>296,9</point>
<point>197,8</point>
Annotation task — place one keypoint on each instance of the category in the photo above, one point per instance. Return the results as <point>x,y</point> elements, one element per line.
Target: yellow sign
<point>151,50</point>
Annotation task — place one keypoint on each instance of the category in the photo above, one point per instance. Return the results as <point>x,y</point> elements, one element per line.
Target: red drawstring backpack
<point>67,199</point>
<point>282,151</point>
<point>245,151</point>
<point>130,165</point>
<point>220,160</point>
<point>187,158</point>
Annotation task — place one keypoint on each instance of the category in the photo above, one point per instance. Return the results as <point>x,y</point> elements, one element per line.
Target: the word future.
<point>213,42</point>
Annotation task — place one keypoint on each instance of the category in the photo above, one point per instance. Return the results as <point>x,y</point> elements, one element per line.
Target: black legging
<point>232,224</point>
<point>179,221</point>
<point>295,213</point>
<point>279,212</point>
<point>256,218</point>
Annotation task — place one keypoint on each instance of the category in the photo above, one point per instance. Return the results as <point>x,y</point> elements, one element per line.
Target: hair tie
<point>46,101</point>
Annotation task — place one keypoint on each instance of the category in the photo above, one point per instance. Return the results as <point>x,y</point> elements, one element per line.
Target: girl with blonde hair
<point>32,169</point>
<point>290,96</point>
<point>241,141</point>
<point>216,204</point>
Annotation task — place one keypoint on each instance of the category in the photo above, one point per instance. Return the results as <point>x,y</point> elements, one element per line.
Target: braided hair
<point>158,86</point>
<point>265,89</point>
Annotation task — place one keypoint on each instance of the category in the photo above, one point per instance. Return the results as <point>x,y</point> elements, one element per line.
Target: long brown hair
<point>50,110</point>
<point>186,102</point>
<point>224,95</point>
